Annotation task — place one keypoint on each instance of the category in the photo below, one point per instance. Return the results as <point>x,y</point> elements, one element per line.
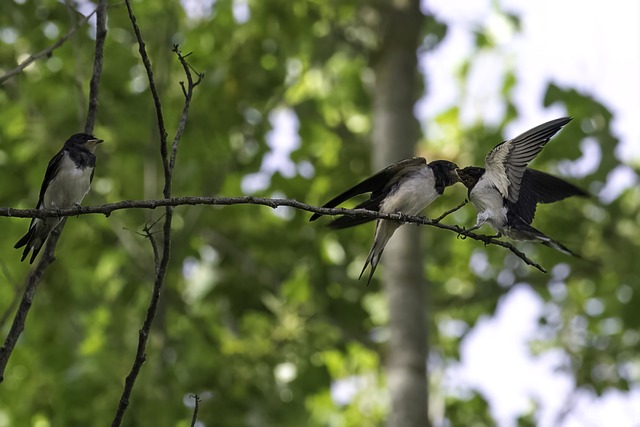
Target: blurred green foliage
<point>262,312</point>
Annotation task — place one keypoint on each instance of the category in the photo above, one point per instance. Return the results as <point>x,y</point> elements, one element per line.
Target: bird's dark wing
<point>345,221</point>
<point>52,171</point>
<point>507,161</point>
<point>539,187</point>
<point>378,184</point>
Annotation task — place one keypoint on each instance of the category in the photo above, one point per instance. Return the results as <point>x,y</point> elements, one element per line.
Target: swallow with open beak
<point>505,192</point>
<point>406,187</point>
<point>66,182</point>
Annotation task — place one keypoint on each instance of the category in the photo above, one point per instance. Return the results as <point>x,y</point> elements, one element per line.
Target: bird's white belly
<point>490,205</point>
<point>69,186</point>
<point>413,195</point>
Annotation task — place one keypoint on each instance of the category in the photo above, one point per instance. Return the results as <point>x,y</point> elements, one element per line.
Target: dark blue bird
<point>66,182</point>
<point>407,187</point>
<point>505,192</point>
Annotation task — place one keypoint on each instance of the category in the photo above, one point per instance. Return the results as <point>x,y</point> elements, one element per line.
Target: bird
<point>405,187</point>
<point>506,192</point>
<point>66,181</point>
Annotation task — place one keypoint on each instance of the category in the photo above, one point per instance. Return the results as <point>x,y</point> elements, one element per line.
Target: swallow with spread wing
<point>66,182</point>
<point>407,187</point>
<point>505,192</point>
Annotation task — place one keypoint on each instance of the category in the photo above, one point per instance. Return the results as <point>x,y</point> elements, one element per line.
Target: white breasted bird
<point>505,192</point>
<point>66,182</point>
<point>406,187</point>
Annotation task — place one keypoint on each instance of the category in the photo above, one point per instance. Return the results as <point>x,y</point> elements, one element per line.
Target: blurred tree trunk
<point>395,133</point>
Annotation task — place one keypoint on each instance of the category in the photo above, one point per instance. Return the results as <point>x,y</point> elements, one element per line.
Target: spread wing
<point>539,187</point>
<point>378,185</point>
<point>52,171</point>
<point>507,162</point>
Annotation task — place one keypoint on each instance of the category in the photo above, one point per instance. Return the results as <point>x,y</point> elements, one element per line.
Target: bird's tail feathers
<point>346,222</point>
<point>25,239</point>
<point>554,244</point>
<point>384,231</point>
<point>373,259</point>
<point>551,243</point>
<point>35,237</point>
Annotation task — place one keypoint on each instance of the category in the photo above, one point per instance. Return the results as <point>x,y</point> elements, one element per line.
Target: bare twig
<point>154,93</point>
<point>194,418</point>
<point>48,256</point>
<point>188,94</point>
<point>168,164</point>
<point>94,85</point>
<point>32,282</point>
<point>149,234</point>
<point>108,208</point>
<point>46,52</point>
<point>450,211</point>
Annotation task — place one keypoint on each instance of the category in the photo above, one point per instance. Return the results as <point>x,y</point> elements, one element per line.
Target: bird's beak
<point>454,175</point>
<point>93,143</point>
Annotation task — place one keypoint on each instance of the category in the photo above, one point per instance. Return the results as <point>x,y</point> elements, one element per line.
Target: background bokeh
<point>262,314</point>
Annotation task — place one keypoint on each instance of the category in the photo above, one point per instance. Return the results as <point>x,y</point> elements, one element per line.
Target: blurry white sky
<point>590,45</point>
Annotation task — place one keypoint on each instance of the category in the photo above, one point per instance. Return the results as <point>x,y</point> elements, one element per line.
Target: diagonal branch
<point>46,52</point>
<point>450,211</point>
<point>48,256</point>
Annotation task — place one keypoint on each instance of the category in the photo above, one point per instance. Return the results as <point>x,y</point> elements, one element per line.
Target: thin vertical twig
<point>194,418</point>
<point>94,85</point>
<point>168,162</point>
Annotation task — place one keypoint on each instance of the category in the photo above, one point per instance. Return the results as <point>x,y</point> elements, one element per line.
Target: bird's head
<point>470,175</point>
<point>84,140</point>
<point>446,170</point>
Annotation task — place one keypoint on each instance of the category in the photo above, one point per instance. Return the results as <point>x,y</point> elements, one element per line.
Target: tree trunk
<point>395,133</point>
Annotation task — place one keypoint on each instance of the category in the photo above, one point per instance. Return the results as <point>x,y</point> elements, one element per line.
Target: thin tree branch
<point>94,85</point>
<point>450,211</point>
<point>194,418</point>
<point>188,94</point>
<point>108,208</point>
<point>32,282</point>
<point>154,93</point>
<point>46,52</point>
<point>148,232</point>
<point>48,256</point>
<point>168,164</point>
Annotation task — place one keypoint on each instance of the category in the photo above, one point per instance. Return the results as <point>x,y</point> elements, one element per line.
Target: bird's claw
<point>77,205</point>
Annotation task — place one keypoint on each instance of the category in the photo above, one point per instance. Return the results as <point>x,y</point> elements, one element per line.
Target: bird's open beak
<point>97,141</point>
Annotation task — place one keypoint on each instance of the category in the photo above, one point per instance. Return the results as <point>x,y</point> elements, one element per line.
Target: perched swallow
<point>66,182</point>
<point>407,187</point>
<point>505,192</point>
